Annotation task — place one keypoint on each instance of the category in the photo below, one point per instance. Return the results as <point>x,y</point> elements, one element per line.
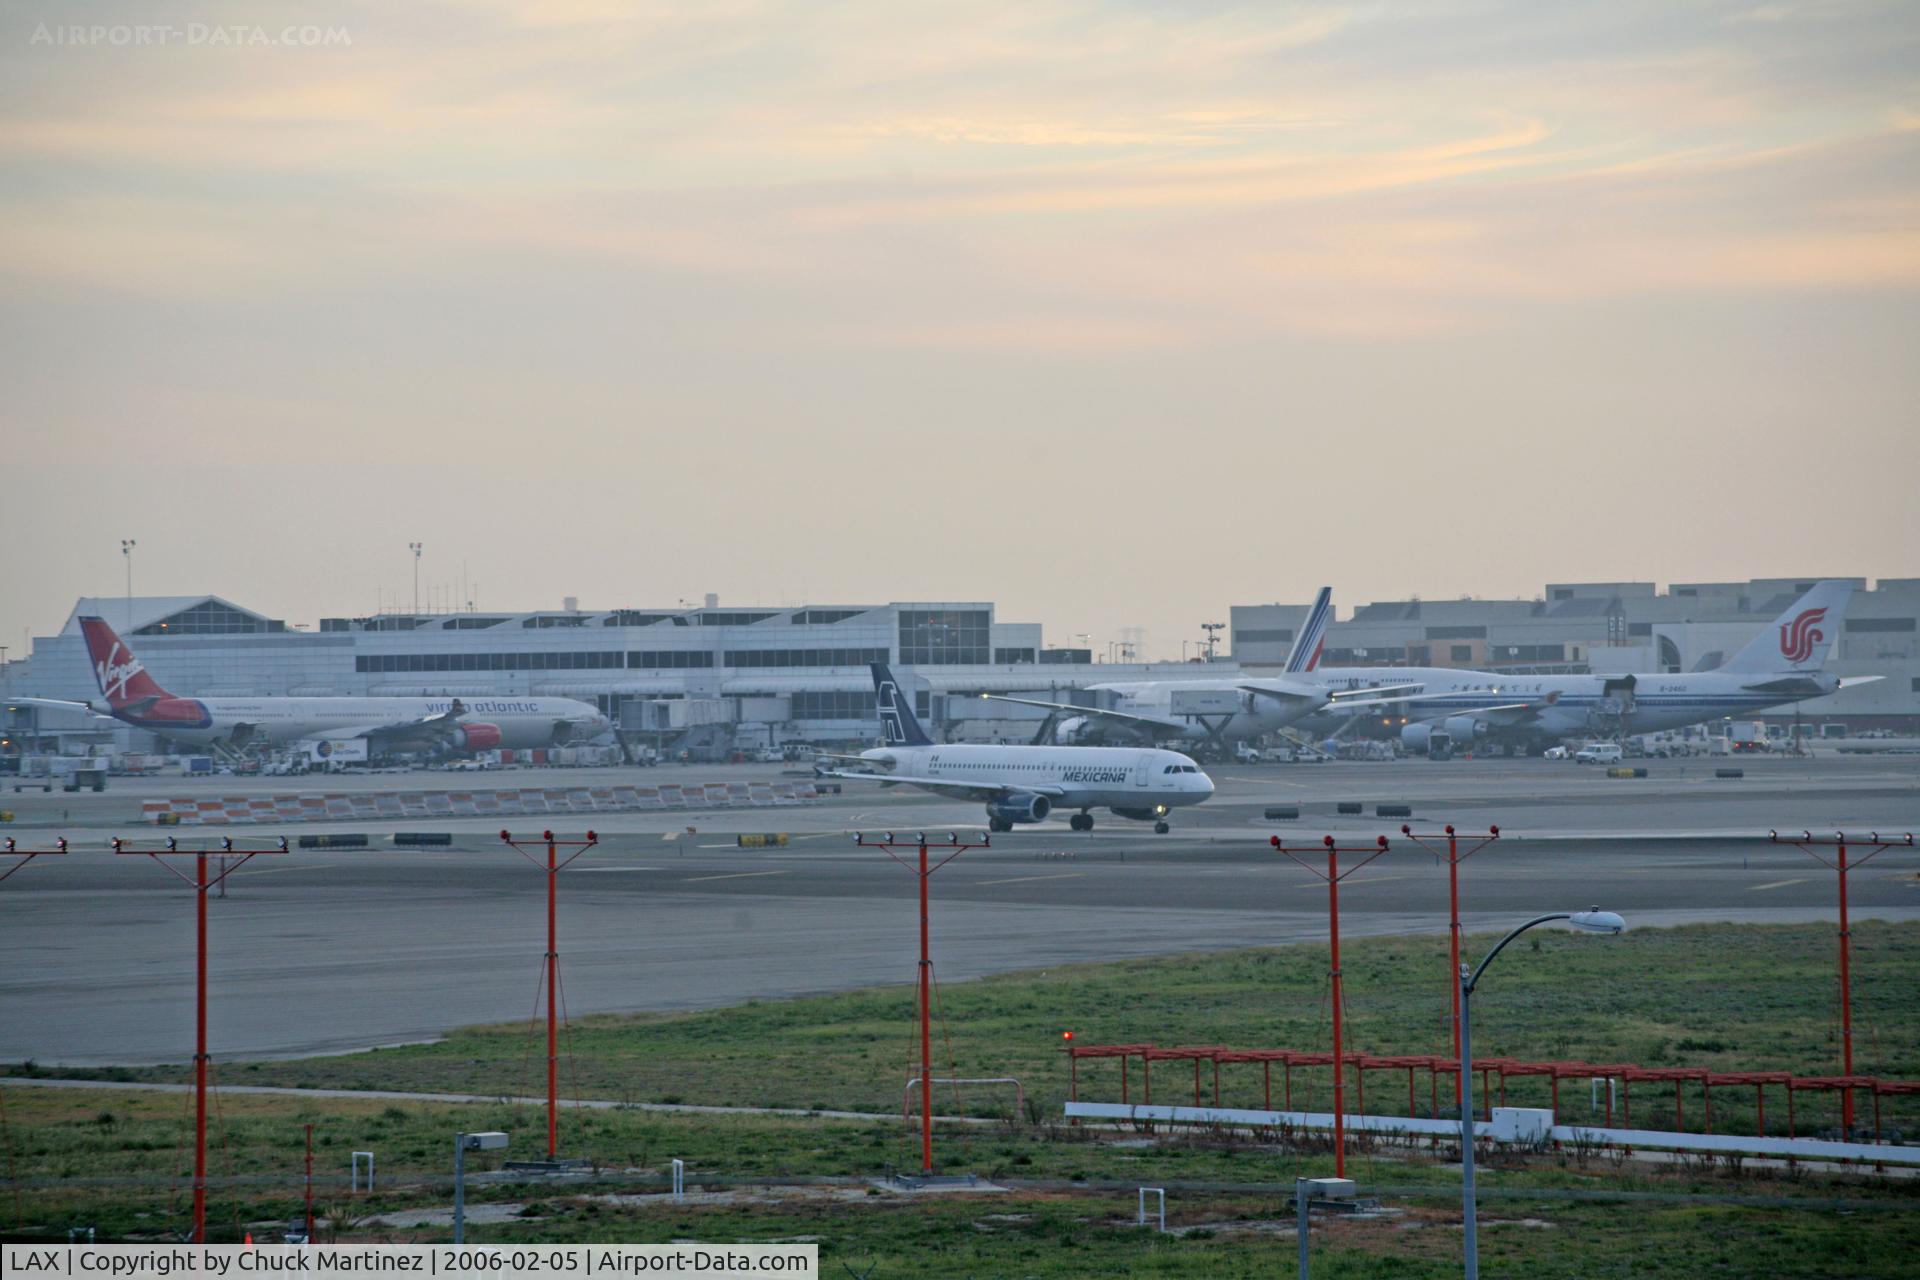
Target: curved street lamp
<point>1592,921</point>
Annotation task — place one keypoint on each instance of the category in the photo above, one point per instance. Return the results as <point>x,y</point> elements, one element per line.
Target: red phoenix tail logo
<point>1798,637</point>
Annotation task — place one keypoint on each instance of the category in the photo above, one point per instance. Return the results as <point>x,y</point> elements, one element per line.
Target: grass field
<point>1721,997</point>
<point>1716,996</point>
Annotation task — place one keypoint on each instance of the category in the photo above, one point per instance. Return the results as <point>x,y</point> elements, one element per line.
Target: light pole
<point>415,548</point>
<point>126,553</point>
<point>493,1140</point>
<point>1592,921</point>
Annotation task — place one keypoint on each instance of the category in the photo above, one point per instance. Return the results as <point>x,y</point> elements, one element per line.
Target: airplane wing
<point>1155,724</point>
<point>1372,693</point>
<point>426,728</point>
<point>1509,715</point>
<point>950,787</point>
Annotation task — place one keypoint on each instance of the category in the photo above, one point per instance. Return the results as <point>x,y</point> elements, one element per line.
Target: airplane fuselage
<point>522,722</point>
<point>1119,778</point>
<point>1585,703</point>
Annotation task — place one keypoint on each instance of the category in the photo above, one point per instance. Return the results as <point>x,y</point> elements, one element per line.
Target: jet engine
<point>1464,729</point>
<point>477,736</point>
<point>1020,808</point>
<point>1414,737</point>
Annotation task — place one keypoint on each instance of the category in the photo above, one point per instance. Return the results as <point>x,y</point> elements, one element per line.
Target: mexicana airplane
<point>1023,784</point>
<point>1782,665</point>
<point>1216,710</point>
<point>389,724</point>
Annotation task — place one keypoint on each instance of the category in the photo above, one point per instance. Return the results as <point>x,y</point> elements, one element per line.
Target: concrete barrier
<point>1349,806</point>
<point>1282,813</point>
<point>1729,773</point>
<point>1393,811</point>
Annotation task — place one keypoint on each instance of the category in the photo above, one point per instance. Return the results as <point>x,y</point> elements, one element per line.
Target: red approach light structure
<point>1811,844</point>
<point>201,885</point>
<point>1454,858</point>
<point>925,873</point>
<point>12,849</point>
<point>1333,876</point>
<point>551,964</point>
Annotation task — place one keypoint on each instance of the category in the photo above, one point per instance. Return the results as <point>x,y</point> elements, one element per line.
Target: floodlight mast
<point>924,873</point>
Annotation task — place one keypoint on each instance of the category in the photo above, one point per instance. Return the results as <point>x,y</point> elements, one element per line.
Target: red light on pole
<point>551,964</point>
<point>12,849</point>
<point>1808,843</point>
<point>925,873</point>
<point>1333,876</point>
<point>201,883</point>
<point>1454,859</point>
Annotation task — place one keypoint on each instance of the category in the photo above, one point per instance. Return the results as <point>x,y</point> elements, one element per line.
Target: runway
<point>329,950</point>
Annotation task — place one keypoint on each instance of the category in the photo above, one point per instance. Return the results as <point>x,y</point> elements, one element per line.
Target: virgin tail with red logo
<point>122,679</point>
<point>1798,640</point>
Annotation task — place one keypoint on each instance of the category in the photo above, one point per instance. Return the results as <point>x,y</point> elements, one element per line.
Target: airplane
<point>1024,784</point>
<point>389,724</point>
<point>1783,664</point>
<point>1214,711</point>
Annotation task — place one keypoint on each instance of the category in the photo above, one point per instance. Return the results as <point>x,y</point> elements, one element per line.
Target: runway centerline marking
<point>1778,884</point>
<point>736,875</point>
<point>1064,875</point>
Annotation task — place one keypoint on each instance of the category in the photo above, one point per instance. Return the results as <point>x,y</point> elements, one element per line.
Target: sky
<point>1115,314</point>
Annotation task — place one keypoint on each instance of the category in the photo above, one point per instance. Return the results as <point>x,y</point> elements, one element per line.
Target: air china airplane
<point>1025,784</point>
<point>1783,664</point>
<point>389,724</point>
<point>1218,710</point>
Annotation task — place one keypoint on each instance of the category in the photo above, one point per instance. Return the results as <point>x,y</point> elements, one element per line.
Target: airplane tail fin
<point>898,727</point>
<point>1305,654</point>
<point>1798,640</point>
<point>120,675</point>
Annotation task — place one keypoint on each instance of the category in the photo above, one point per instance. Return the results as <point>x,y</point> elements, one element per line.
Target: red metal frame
<point>1453,859</point>
<point>1496,1071</point>
<point>551,964</point>
<point>201,884</point>
<point>1333,876</point>
<point>924,874</point>
<point>11,849</point>
<point>1807,844</point>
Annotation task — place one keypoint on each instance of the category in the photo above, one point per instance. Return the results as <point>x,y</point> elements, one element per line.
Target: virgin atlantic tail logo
<point>114,675</point>
<point>1798,637</point>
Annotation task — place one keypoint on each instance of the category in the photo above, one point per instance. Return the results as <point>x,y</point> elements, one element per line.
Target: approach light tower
<point>415,548</point>
<point>1213,630</point>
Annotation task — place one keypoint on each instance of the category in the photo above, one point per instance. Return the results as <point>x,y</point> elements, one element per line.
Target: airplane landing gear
<point>1081,822</point>
<point>1161,828</point>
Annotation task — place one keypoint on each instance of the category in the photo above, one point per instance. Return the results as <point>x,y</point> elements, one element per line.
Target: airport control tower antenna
<point>1213,630</point>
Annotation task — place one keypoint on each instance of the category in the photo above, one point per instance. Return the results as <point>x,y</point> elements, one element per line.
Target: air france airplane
<point>1782,665</point>
<point>389,724</point>
<point>1025,784</point>
<point>1241,707</point>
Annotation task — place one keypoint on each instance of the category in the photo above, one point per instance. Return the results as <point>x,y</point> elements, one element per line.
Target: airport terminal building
<point>681,677</point>
<point>717,678</point>
<point>1615,627</point>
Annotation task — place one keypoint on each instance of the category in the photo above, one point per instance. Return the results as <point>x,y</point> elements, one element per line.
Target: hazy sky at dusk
<point>1115,314</point>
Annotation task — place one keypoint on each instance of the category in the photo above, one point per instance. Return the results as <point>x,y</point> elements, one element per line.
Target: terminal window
<point>1266,635</point>
<point>944,637</point>
<point>209,618</point>
<point>1010,657</point>
<point>669,659</point>
<point>805,657</point>
<point>832,706</point>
